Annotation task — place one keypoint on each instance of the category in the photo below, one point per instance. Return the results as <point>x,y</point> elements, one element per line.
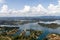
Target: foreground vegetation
<point>22,36</point>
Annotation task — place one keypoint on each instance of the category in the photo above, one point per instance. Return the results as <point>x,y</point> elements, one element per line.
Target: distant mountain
<point>32,18</point>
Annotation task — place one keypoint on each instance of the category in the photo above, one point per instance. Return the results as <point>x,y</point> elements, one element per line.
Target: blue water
<point>43,35</point>
<point>36,26</point>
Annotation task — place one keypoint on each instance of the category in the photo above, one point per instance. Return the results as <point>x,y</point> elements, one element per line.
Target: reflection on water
<point>46,30</point>
<point>36,26</point>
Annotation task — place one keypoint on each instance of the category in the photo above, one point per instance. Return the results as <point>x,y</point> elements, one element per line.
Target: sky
<point>29,8</point>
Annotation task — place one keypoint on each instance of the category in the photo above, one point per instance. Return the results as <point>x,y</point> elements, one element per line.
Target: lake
<point>43,27</point>
<point>36,26</point>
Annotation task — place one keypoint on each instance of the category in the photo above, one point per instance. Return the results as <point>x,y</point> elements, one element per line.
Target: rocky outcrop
<point>53,37</point>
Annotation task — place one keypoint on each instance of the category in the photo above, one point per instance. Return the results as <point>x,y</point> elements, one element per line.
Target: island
<point>52,25</point>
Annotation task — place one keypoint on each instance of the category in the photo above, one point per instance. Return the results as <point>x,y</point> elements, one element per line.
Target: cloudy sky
<point>29,8</point>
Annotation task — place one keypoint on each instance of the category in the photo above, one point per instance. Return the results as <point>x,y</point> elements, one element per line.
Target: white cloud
<point>26,9</point>
<point>39,10</point>
<point>54,10</point>
<point>2,1</point>
<point>4,9</point>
